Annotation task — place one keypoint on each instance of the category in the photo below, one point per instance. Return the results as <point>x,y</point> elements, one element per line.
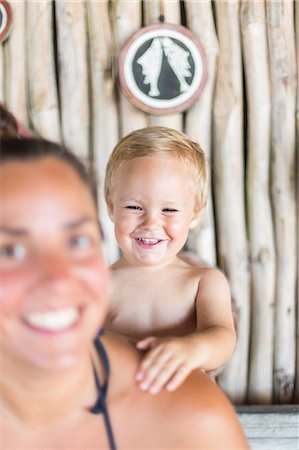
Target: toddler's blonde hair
<point>155,141</point>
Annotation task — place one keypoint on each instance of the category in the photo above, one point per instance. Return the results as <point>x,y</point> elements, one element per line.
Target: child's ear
<point>196,218</point>
<point>110,209</point>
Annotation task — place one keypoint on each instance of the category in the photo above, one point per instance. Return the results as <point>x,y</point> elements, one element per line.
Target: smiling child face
<point>152,206</point>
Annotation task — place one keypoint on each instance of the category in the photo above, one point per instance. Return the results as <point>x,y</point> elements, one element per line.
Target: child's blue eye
<point>16,252</point>
<point>134,207</point>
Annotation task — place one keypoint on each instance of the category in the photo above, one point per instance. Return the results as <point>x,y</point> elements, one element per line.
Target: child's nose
<point>150,220</point>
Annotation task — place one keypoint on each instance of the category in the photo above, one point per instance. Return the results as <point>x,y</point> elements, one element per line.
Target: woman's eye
<point>10,252</point>
<point>81,242</point>
<point>134,207</point>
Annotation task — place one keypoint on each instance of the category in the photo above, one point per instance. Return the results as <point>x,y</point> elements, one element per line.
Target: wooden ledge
<point>270,427</point>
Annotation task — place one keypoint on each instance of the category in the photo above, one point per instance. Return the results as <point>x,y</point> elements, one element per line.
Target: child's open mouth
<point>148,242</point>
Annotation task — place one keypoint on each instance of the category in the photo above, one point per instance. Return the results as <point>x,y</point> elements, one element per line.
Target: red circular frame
<point>127,91</point>
<point>5,33</point>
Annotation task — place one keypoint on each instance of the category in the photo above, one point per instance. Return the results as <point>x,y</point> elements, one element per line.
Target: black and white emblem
<point>5,19</point>
<point>162,68</point>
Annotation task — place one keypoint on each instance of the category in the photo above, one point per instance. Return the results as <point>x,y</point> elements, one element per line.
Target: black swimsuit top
<point>101,407</point>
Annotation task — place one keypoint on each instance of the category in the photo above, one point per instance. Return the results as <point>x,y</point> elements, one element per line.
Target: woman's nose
<point>55,270</point>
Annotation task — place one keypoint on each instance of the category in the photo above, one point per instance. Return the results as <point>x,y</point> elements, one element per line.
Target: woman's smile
<point>52,321</point>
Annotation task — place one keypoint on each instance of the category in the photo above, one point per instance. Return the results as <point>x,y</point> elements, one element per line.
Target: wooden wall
<point>58,75</point>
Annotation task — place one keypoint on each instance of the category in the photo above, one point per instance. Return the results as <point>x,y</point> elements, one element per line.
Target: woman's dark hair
<point>8,123</point>
<point>29,149</point>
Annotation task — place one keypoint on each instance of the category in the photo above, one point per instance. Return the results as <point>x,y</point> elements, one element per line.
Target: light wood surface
<point>73,75</point>
<point>229,187</point>
<point>199,119</point>
<point>282,57</point>
<point>260,226</point>
<point>42,88</point>
<point>126,17</point>
<point>15,61</point>
<point>104,125</point>
<point>271,428</point>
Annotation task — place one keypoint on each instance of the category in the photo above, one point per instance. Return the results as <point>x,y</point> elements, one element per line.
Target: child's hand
<point>167,364</point>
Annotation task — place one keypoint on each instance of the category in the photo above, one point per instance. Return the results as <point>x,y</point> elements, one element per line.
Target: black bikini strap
<point>101,406</point>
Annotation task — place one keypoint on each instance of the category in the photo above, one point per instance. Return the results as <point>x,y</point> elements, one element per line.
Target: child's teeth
<point>53,320</point>
<point>149,241</point>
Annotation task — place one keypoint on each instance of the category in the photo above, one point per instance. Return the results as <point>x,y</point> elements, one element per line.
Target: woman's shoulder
<point>123,357</point>
<point>210,411</point>
<point>199,404</point>
<point>198,410</point>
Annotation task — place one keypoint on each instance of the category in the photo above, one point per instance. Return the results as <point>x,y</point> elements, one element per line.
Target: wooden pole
<point>229,188</point>
<point>199,119</point>
<point>162,10</point>
<point>104,108</point>
<point>281,41</point>
<point>169,12</point>
<point>15,65</point>
<point>42,89</point>
<point>1,74</point>
<point>261,237</point>
<point>126,16</point>
<point>73,76</point>
<point>296,398</point>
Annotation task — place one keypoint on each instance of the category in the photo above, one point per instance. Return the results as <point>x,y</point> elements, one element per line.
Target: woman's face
<point>52,275</point>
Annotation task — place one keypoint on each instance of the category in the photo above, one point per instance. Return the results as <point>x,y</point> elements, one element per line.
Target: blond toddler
<point>179,313</point>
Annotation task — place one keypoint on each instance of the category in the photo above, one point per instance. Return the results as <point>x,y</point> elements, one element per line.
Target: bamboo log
<point>281,40</point>
<point>261,235</point>
<point>1,74</point>
<point>154,11</point>
<point>15,65</point>
<point>104,108</point>
<point>162,10</point>
<point>229,186</point>
<point>297,52</point>
<point>126,16</point>
<point>297,121</point>
<point>73,76</point>
<point>199,120</point>
<point>42,89</point>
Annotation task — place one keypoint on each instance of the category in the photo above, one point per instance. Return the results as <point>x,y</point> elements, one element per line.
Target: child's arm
<point>170,360</point>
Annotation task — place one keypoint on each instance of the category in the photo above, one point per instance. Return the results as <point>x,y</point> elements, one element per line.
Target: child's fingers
<point>150,357</point>
<point>165,374</point>
<point>178,378</point>
<point>146,375</point>
<point>146,343</point>
<point>147,362</point>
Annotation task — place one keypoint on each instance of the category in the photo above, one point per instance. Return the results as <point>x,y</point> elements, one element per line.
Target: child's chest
<point>163,304</point>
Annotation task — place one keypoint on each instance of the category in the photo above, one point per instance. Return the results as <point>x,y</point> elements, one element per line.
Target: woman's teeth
<point>53,320</point>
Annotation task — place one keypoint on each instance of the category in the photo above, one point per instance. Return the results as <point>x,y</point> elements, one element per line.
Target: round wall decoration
<point>5,19</point>
<point>162,68</point>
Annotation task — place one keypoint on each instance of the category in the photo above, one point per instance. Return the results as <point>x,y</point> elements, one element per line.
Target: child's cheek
<point>176,225</point>
<point>126,222</point>
<point>178,229</point>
